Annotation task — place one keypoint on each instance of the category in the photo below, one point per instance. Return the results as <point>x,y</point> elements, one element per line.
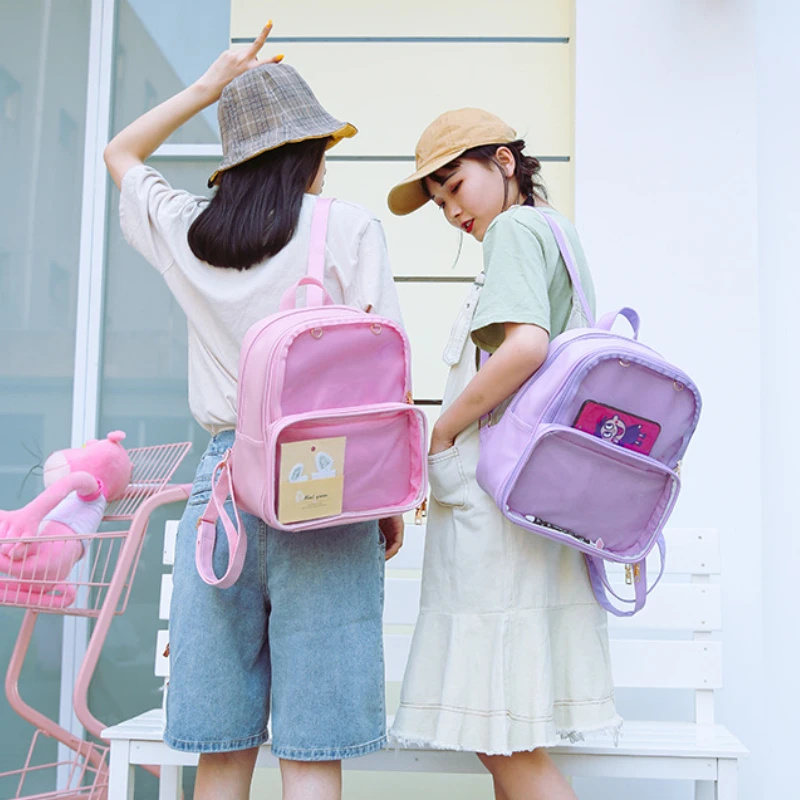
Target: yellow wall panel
<point>410,18</point>
<point>392,91</point>
<point>429,310</point>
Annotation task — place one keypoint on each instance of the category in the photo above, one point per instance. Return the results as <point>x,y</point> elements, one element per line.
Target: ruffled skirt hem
<point>404,735</point>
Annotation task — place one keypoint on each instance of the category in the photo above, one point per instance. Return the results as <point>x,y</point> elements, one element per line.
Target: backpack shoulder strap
<point>572,267</point>
<point>316,250</point>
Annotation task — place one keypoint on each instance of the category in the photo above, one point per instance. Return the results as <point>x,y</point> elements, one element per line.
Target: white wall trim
<point>176,151</point>
<point>88,328</point>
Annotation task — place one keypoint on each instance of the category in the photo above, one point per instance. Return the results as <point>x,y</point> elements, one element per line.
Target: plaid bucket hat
<point>266,107</point>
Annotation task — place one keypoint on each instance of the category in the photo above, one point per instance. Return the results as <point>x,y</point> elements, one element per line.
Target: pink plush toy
<point>79,484</point>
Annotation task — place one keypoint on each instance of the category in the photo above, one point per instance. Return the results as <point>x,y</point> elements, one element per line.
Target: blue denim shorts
<point>299,634</point>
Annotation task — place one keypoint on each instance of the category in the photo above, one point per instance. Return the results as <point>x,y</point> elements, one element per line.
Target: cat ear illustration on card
<point>311,479</point>
<point>326,466</point>
<point>297,474</point>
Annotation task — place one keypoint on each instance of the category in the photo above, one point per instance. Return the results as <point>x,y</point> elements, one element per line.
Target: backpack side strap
<point>600,584</point>
<point>221,487</point>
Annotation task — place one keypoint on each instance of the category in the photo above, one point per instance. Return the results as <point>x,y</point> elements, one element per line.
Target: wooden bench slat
<point>690,551</point>
<point>636,663</point>
<point>642,664</point>
<point>637,737</point>
<point>165,598</point>
<point>671,607</point>
<point>170,533</point>
<point>162,661</point>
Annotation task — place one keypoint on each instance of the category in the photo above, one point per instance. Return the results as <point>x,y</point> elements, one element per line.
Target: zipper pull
<point>409,398</point>
<point>677,469</point>
<point>637,572</point>
<point>628,575</point>
<point>421,512</point>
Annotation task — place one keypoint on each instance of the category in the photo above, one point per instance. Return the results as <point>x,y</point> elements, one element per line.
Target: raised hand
<point>232,63</point>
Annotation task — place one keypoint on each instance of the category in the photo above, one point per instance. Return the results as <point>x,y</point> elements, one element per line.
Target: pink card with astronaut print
<point>617,427</point>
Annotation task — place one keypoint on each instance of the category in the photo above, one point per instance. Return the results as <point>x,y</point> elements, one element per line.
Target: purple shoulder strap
<point>569,260</point>
<point>572,270</point>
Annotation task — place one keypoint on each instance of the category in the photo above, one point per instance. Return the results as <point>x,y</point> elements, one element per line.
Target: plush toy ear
<point>116,436</point>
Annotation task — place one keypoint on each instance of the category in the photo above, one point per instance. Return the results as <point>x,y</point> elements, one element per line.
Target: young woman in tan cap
<point>301,629</point>
<point>510,653</point>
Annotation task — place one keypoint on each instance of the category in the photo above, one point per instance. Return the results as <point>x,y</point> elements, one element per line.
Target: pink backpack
<point>588,451</point>
<point>314,373</point>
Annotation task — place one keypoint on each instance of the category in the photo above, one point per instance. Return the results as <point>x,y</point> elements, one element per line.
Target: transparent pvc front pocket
<point>592,490</point>
<point>384,454</point>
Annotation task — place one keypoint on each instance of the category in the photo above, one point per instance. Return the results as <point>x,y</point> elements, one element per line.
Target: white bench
<point>669,645</point>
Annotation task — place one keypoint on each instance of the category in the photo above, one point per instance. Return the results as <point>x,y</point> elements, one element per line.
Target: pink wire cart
<point>101,582</point>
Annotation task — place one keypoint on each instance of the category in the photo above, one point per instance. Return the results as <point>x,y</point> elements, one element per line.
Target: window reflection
<point>162,48</point>
<point>44,52</point>
<point>145,353</point>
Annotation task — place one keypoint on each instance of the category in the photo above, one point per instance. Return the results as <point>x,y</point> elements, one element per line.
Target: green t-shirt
<point>526,279</point>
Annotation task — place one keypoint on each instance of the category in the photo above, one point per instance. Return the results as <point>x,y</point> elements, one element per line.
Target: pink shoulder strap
<point>316,250</point>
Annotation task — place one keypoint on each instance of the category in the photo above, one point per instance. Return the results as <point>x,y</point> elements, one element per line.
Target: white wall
<point>778,208</point>
<point>666,203</point>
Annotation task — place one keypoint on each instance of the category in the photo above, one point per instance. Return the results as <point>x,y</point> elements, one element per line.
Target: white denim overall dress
<point>510,651</point>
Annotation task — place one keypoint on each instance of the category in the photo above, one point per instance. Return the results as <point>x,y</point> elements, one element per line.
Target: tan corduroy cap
<point>268,106</point>
<point>446,138</point>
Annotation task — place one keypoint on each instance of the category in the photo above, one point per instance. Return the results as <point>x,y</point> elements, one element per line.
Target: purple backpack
<point>588,451</point>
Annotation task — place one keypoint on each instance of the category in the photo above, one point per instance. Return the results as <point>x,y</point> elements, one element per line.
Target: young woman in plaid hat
<point>510,653</point>
<point>301,629</point>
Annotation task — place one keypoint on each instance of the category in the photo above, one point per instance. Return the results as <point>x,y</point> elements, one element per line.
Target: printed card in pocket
<point>311,480</point>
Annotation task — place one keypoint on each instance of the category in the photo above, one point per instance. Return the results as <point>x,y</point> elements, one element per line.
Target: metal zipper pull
<point>421,512</point>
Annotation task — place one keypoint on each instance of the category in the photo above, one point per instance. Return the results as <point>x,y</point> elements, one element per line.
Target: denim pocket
<point>447,479</point>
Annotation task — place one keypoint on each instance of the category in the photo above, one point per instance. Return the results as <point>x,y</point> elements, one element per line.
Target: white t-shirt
<point>221,304</point>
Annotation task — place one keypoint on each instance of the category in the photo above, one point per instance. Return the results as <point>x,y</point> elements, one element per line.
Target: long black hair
<point>254,212</point>
<point>527,169</point>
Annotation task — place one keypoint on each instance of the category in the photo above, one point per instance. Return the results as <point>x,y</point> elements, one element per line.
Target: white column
<point>88,333</point>
<point>667,207</point>
<point>779,256</point>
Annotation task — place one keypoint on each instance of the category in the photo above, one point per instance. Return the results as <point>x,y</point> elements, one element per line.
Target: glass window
<point>10,97</point>
<point>144,370</point>
<point>44,51</point>
<point>161,49</point>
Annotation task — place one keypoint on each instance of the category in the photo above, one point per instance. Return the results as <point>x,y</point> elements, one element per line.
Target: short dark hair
<point>253,214</point>
<point>527,169</point>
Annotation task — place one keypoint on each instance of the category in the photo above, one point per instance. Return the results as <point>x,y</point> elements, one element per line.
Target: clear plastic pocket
<point>384,469</point>
<point>591,490</point>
